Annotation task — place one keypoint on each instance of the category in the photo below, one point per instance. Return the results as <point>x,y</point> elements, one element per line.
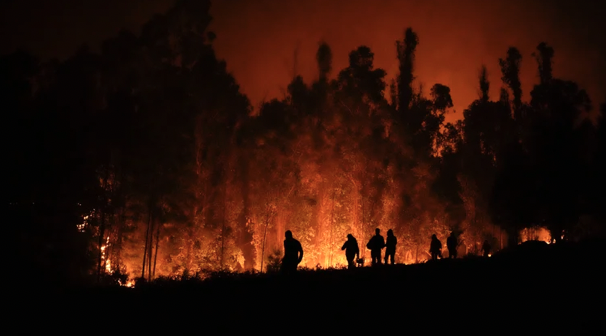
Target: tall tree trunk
<point>356,227</point>
<point>264,238</point>
<point>101,235</point>
<point>246,237</point>
<point>150,245</point>
<point>356,214</point>
<point>332,216</point>
<point>100,249</point>
<point>192,231</point>
<point>102,227</point>
<point>149,219</point>
<point>101,261</point>
<point>364,226</point>
<point>222,245</point>
<point>280,227</point>
<point>199,189</point>
<point>317,217</point>
<point>223,223</point>
<point>189,243</point>
<point>120,233</point>
<point>156,252</point>
<point>109,248</point>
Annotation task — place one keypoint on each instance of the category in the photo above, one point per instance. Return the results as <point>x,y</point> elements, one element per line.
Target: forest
<point>144,159</point>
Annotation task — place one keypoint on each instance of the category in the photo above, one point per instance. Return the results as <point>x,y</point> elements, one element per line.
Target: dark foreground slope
<point>532,288</point>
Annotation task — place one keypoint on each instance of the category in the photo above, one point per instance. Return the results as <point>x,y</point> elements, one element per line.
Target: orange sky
<point>258,38</point>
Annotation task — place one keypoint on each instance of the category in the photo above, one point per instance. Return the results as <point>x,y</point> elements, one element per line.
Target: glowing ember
<point>129,283</point>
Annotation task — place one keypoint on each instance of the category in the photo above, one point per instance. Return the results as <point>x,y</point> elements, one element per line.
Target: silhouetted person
<point>352,251</point>
<point>375,245</point>
<point>293,253</point>
<point>486,248</point>
<point>452,244</point>
<point>390,247</point>
<point>435,248</point>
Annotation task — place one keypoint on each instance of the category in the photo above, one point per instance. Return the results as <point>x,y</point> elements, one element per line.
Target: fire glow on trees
<point>322,171</point>
<point>105,260</point>
<point>191,181</point>
<point>536,233</point>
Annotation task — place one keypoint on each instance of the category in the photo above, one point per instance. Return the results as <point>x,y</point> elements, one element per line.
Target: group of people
<point>376,244</point>
<point>293,251</point>
<point>452,244</point>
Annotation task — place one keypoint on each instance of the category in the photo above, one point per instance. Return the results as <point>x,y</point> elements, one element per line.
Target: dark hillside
<point>534,287</point>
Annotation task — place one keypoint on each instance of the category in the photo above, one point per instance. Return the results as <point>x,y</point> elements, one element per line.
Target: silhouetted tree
<point>557,144</point>
<point>146,158</point>
<point>510,68</point>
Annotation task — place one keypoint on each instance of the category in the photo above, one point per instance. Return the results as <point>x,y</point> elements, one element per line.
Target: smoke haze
<point>266,42</point>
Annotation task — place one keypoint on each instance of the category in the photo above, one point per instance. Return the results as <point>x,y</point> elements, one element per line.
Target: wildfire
<point>128,283</point>
<point>108,267</point>
<point>536,233</point>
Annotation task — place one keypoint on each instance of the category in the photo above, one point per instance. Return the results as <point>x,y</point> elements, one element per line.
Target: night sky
<point>258,39</point>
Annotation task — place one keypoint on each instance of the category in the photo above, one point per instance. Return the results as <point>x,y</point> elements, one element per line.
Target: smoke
<point>258,38</point>
<point>456,38</point>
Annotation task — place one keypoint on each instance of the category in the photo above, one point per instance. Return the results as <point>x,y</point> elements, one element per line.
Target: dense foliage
<point>145,158</point>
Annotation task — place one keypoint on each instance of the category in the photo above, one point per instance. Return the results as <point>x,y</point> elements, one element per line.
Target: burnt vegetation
<point>144,161</point>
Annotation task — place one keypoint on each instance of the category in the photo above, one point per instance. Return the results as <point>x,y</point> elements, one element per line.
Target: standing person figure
<point>486,248</point>
<point>390,247</point>
<point>452,244</point>
<point>375,245</point>
<point>435,248</point>
<point>293,254</point>
<point>352,251</point>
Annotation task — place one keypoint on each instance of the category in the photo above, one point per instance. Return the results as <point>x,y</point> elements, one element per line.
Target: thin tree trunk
<point>102,228</point>
<point>120,234</point>
<point>151,246</point>
<point>355,215</point>
<point>101,235</point>
<point>317,219</point>
<point>264,237</point>
<point>223,225</point>
<point>364,228</point>
<point>367,229</point>
<point>109,248</point>
<point>222,245</point>
<point>149,218</point>
<point>332,216</point>
<point>246,237</point>
<point>119,195</point>
<point>156,252</point>
<point>192,231</point>
<point>188,258</point>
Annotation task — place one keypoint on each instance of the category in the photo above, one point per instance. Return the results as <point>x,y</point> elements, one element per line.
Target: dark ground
<point>534,289</point>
